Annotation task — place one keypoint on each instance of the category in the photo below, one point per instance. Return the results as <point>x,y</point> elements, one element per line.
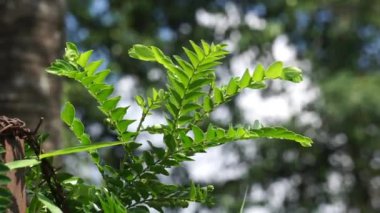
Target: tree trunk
<point>12,135</point>
<point>31,36</point>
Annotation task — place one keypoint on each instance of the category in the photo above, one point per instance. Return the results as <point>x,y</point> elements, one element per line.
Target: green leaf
<point>199,83</point>
<point>85,139</point>
<point>231,133</point>
<point>141,52</point>
<point>220,133</point>
<point>175,98</point>
<point>71,51</point>
<point>191,96</point>
<point>170,142</point>
<point>274,70</point>
<point>93,66</point>
<point>186,66</point>
<point>293,74</point>
<point>155,95</point>
<point>185,119</point>
<point>110,104</point>
<point>232,87</point>
<point>140,100</point>
<point>207,67</point>
<point>186,140</point>
<point>48,204</point>
<point>133,145</point>
<point>189,108</point>
<point>118,113</point>
<point>77,127</point>
<point>95,88</point>
<point>192,56</point>
<point>182,76</point>
<point>5,203</point>
<point>68,113</point>
<point>218,95</point>
<point>193,192</point>
<point>5,193</point>
<point>283,133</point>
<point>84,57</point>
<point>103,94</point>
<point>148,158</point>
<point>245,80</point>
<point>3,168</point>
<point>101,75</point>
<point>182,157</point>
<point>207,104</point>
<point>172,109</point>
<point>159,152</point>
<point>206,47</point>
<point>258,74</point>
<point>80,148</point>
<point>159,170</point>
<point>178,88</point>
<point>197,50</point>
<point>110,203</point>
<point>87,81</point>
<point>122,125</point>
<point>150,102</point>
<point>257,85</point>
<point>4,180</point>
<point>162,59</point>
<point>22,163</point>
<point>198,134</point>
<point>210,134</point>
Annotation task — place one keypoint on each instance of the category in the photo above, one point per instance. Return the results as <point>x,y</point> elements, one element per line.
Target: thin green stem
<point>138,130</point>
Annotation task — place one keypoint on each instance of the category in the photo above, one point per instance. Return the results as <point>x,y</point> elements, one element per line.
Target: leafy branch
<point>190,96</point>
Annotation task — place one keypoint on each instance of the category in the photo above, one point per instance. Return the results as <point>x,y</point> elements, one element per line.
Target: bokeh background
<point>335,42</point>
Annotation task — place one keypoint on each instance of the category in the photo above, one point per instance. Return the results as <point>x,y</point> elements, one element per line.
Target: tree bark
<point>12,140</point>
<point>31,37</point>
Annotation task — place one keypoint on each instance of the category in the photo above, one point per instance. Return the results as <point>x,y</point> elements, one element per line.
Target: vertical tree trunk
<point>31,36</point>
<point>12,140</point>
<point>14,150</point>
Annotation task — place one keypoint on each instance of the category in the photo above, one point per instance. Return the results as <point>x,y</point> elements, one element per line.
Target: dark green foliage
<point>5,195</point>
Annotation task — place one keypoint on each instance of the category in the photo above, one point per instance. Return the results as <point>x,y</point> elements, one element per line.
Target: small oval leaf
<point>274,70</point>
<point>68,113</point>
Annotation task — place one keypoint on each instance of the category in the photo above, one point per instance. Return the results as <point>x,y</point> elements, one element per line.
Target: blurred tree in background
<point>31,37</point>
<point>338,44</point>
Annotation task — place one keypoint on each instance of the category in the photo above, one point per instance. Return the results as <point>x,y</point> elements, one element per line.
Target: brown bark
<point>12,138</point>
<point>14,150</point>
<point>31,37</point>
<point>13,135</point>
